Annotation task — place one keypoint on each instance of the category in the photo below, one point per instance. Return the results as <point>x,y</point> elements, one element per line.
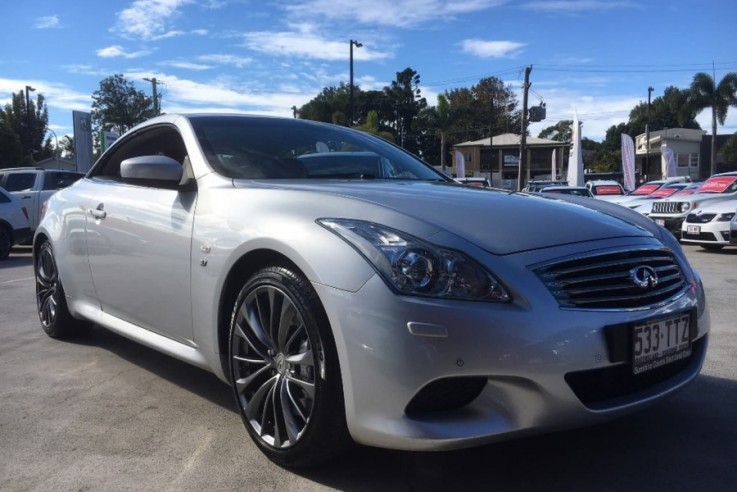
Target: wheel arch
<point>242,269</point>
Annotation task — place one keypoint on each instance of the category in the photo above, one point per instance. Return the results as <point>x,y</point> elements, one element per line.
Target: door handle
<point>98,212</point>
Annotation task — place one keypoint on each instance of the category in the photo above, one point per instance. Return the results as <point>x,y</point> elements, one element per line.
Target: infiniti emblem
<point>644,277</point>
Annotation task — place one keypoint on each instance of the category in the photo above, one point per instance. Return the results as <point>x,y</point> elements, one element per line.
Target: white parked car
<point>348,291</point>
<point>709,225</point>
<point>672,211</point>
<point>14,227</point>
<point>733,230</point>
<point>605,189</point>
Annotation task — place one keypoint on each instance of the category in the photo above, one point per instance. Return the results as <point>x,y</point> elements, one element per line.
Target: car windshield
<point>264,148</point>
<point>719,184</point>
<point>607,190</point>
<point>645,189</point>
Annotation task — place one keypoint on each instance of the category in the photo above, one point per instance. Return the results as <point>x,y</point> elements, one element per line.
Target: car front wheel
<point>51,303</point>
<point>284,370</point>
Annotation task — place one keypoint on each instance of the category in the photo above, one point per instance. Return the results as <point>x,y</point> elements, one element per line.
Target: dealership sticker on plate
<point>693,229</point>
<point>660,342</point>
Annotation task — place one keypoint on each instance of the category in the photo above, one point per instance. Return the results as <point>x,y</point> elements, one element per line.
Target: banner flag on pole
<point>553,164</point>
<point>575,162</point>
<point>460,165</point>
<point>628,162</point>
<point>668,162</point>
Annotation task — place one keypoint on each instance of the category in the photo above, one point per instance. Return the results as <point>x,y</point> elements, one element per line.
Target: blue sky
<point>597,57</point>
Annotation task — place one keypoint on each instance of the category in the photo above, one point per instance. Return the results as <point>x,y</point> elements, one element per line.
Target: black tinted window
<point>57,181</point>
<point>253,148</point>
<point>20,181</point>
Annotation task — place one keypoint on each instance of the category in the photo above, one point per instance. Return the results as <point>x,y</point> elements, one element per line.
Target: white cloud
<point>116,50</point>
<point>56,95</point>
<point>575,6</point>
<point>187,65</point>
<point>397,13</point>
<point>223,59</point>
<point>492,49</point>
<point>146,19</point>
<point>47,22</point>
<point>224,95</point>
<point>304,44</point>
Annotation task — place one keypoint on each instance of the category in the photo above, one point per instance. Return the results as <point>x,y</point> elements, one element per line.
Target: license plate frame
<point>661,341</point>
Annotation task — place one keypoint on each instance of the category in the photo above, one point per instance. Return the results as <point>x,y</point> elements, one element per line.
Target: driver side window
<point>160,140</point>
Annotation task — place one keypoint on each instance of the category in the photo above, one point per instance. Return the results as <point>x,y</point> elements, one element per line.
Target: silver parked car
<point>347,291</point>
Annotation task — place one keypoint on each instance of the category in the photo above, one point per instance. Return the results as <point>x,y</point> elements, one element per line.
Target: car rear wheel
<point>284,370</point>
<point>51,303</point>
<point>6,242</point>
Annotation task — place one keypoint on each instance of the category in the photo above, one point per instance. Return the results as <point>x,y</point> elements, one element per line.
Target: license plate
<point>660,222</point>
<point>693,229</point>
<point>660,342</point>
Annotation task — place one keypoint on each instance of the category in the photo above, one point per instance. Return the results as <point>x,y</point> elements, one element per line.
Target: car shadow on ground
<point>687,442</point>
<point>19,256</point>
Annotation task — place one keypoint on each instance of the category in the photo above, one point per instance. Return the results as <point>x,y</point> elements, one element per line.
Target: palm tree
<point>704,94</point>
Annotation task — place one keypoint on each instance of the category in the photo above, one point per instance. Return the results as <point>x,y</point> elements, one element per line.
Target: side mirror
<point>152,167</point>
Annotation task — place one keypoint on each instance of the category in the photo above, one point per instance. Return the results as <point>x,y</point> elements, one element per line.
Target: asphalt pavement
<point>105,413</point>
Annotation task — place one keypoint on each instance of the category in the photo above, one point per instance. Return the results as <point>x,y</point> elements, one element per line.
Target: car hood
<point>498,221</point>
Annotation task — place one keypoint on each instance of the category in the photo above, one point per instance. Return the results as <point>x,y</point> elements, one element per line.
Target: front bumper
<point>709,233</point>
<point>673,224</point>
<point>544,367</point>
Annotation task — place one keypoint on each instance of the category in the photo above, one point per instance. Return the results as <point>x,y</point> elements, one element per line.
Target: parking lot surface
<point>105,413</point>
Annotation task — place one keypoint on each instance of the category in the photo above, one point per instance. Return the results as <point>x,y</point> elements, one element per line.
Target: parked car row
<point>14,227</point>
<point>697,213</point>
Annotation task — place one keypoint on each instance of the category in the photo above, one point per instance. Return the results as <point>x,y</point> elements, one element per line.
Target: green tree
<point>118,106</point>
<point>11,150</point>
<point>705,93</point>
<point>560,132</point>
<point>328,106</point>
<point>406,97</point>
<point>372,126</point>
<point>29,123</point>
<point>67,148</point>
<point>729,149</point>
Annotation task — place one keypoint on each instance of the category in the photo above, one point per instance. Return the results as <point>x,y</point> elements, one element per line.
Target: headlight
<point>685,206</point>
<point>412,266</point>
<point>725,217</point>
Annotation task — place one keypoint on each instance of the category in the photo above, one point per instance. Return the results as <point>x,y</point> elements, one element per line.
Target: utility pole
<point>522,168</point>
<point>353,43</point>
<point>646,167</point>
<point>153,81</point>
<point>29,128</point>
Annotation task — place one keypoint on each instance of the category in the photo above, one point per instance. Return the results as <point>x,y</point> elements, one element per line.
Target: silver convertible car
<point>347,291</point>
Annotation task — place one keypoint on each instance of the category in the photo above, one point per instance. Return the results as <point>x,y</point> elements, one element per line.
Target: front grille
<point>704,236</point>
<point>599,389</point>
<point>666,207</point>
<point>700,218</point>
<point>608,280</point>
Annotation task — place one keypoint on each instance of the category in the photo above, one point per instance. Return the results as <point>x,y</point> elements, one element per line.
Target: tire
<point>6,242</point>
<point>51,302</point>
<point>284,370</point>
<point>712,247</point>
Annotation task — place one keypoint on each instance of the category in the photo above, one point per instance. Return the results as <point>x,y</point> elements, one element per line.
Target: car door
<point>139,236</point>
<point>22,184</point>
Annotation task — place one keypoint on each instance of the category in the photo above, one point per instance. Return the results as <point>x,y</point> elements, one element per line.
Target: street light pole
<point>56,146</point>
<point>357,45</point>
<point>29,130</point>
<point>647,132</point>
<point>156,95</point>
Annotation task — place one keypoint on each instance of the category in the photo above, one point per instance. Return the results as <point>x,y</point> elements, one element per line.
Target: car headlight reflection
<point>415,267</point>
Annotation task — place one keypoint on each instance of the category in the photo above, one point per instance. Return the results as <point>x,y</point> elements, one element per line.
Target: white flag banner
<point>553,166</point>
<point>460,165</point>
<point>575,161</point>
<point>628,162</point>
<point>668,162</point>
